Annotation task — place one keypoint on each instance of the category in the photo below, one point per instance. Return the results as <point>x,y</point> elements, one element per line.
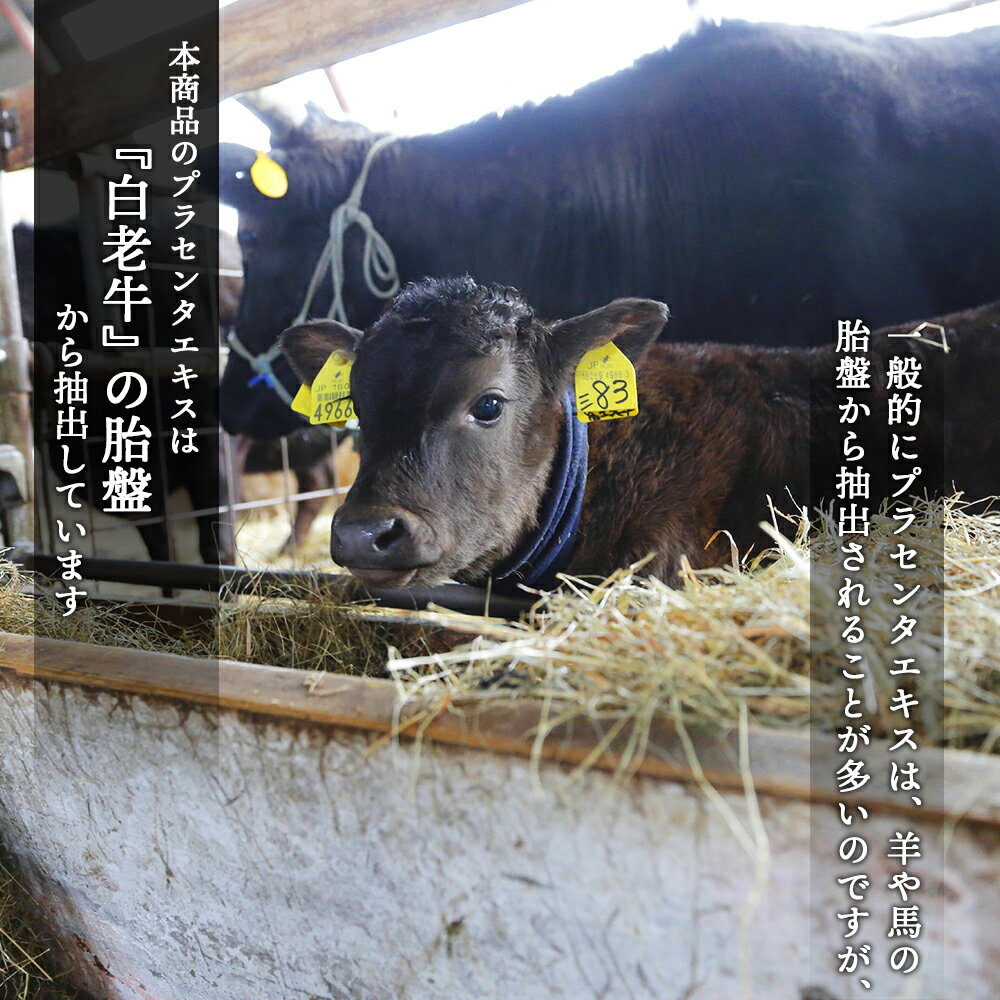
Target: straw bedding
<point>24,950</point>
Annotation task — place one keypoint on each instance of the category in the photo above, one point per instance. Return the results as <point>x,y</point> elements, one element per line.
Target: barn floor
<point>262,533</point>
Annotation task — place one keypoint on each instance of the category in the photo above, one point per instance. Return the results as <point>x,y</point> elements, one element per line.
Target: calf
<point>473,464</point>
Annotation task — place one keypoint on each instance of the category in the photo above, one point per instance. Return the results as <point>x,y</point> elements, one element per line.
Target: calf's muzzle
<point>382,546</point>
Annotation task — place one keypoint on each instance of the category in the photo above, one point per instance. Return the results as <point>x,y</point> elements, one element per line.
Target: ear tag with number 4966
<point>331,391</point>
<point>605,385</point>
<point>302,403</point>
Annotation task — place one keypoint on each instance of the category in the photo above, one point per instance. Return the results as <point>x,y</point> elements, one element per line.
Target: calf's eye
<point>487,409</point>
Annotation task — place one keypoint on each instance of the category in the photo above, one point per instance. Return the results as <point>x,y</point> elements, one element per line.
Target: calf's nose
<point>377,539</point>
<point>361,541</point>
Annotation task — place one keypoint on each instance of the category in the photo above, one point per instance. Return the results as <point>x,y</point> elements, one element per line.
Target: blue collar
<point>547,550</point>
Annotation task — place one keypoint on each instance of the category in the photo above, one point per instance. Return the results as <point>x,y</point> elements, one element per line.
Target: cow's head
<point>458,389</point>
<point>281,240</point>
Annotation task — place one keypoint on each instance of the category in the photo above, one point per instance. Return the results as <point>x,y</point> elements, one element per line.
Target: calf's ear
<point>308,345</point>
<point>633,325</point>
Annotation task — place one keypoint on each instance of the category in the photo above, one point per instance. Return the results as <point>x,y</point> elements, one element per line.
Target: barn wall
<point>188,855</point>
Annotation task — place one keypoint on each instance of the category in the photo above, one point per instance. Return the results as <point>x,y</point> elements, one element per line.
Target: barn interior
<point>631,666</point>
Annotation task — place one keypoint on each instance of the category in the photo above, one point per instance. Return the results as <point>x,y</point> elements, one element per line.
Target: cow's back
<point>810,175</point>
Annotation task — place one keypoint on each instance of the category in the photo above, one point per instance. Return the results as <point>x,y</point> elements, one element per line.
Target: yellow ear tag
<point>605,385</point>
<point>268,177</point>
<point>302,403</point>
<point>331,391</point>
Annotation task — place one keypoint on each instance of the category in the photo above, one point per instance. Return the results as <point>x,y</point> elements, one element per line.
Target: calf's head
<point>458,390</point>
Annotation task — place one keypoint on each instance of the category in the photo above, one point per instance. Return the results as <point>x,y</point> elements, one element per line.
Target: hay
<point>631,648</point>
<point>315,633</point>
<point>729,647</point>
<point>24,972</point>
<point>29,610</point>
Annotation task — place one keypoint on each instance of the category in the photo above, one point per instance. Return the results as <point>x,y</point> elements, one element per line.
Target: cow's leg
<point>216,537</point>
<point>312,477</point>
<point>154,537</point>
<point>232,460</point>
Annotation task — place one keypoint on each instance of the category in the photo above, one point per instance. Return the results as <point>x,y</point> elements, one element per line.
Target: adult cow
<point>763,179</point>
<point>308,450</point>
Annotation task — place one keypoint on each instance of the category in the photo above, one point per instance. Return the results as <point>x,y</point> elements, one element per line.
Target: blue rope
<point>260,364</point>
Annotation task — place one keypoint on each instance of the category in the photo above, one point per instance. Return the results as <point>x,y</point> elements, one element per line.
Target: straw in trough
<point>725,642</point>
<point>632,647</point>
<point>314,633</point>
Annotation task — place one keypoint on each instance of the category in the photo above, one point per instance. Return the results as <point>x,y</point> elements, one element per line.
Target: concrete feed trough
<point>203,831</point>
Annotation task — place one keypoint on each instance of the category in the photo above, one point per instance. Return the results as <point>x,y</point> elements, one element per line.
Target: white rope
<point>378,265</point>
<point>260,365</point>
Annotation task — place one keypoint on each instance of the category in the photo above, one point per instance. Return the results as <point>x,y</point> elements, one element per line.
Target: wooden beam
<point>86,105</point>
<point>262,42</point>
<point>782,762</point>
<point>267,41</point>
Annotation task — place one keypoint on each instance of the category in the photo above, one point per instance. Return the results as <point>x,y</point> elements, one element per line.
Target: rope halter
<point>378,267</point>
<point>260,364</point>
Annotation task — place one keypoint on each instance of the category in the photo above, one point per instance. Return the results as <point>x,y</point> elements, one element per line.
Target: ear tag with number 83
<point>331,391</point>
<point>605,385</point>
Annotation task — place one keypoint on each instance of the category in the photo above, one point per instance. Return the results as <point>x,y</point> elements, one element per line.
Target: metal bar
<point>280,583</point>
<point>161,435</point>
<point>338,91</point>
<point>186,515</point>
<point>286,485</point>
<point>226,444</point>
<point>222,272</point>
<point>160,361</point>
<point>926,15</point>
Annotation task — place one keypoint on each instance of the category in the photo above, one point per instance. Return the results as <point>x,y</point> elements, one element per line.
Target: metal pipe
<point>926,15</point>
<point>279,583</point>
<point>188,515</point>
<point>159,361</point>
<point>338,91</point>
